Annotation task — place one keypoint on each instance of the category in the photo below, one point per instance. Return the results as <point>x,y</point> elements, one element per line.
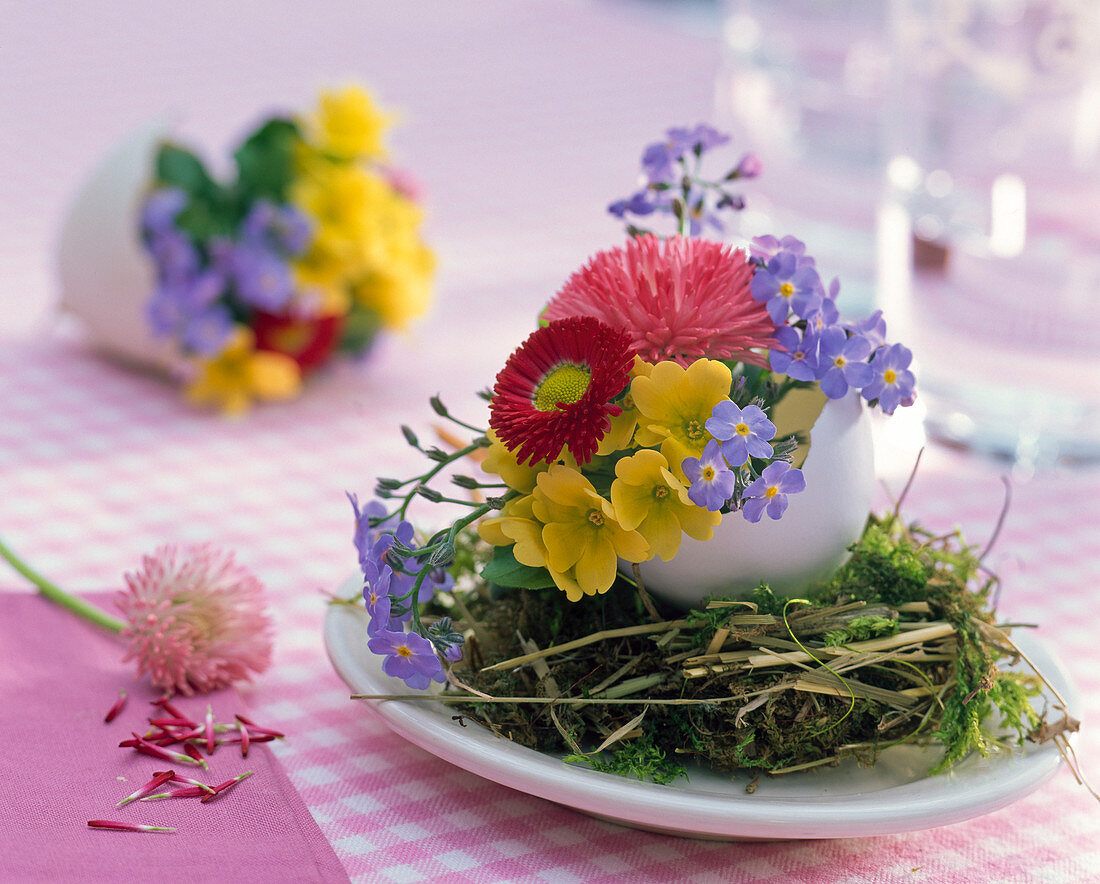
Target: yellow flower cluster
<point>365,263</point>
<point>559,521</point>
<point>367,252</point>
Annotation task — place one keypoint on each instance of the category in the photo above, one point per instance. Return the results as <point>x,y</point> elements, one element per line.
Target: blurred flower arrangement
<point>312,250</point>
<point>635,414</point>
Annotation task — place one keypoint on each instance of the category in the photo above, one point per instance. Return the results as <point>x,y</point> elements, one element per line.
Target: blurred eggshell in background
<point>105,277</point>
<point>808,543</point>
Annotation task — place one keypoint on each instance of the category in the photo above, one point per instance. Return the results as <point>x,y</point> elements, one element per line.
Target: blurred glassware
<point>803,84</point>
<point>989,232</point>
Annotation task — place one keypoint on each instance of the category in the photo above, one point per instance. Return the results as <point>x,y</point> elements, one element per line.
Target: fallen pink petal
<point>187,781</point>
<point>127,827</point>
<point>113,712</point>
<point>155,751</point>
<point>165,704</point>
<point>159,779</point>
<point>256,729</point>
<point>224,787</point>
<point>185,792</point>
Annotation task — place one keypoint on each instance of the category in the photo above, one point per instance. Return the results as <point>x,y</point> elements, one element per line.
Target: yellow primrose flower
<point>501,462</point>
<point>675,404</point>
<point>517,526</point>
<point>241,373</point>
<point>581,532</point>
<point>348,124</point>
<point>648,498</point>
<point>623,426</point>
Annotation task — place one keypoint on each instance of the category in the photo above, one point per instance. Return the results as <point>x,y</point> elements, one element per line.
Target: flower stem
<point>55,594</point>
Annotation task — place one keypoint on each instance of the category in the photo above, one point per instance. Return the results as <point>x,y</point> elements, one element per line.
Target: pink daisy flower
<point>680,299</point>
<point>195,620</point>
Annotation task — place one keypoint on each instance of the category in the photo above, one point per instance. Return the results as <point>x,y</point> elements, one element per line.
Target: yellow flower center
<point>742,429</point>
<point>786,290</point>
<point>627,403</point>
<point>772,491</point>
<point>889,376</point>
<point>563,385</point>
<point>595,517</point>
<point>840,362</point>
<point>694,431</point>
<point>404,651</point>
<point>708,474</point>
<point>660,492</point>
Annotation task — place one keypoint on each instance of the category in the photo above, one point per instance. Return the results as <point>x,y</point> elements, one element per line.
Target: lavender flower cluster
<point>674,186</point>
<point>388,590</point>
<point>203,289</point>
<point>813,344</point>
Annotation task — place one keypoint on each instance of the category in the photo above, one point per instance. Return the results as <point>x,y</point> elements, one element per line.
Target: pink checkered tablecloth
<point>522,119</point>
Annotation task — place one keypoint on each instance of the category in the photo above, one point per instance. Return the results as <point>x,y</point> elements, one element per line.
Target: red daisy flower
<point>679,299</point>
<point>556,389</point>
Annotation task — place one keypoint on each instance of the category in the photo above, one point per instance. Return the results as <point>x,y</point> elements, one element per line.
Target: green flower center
<point>694,431</point>
<point>742,429</point>
<point>563,385</point>
<point>595,517</point>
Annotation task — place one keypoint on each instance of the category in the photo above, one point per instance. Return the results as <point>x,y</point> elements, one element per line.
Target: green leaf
<point>504,570</point>
<point>204,219</point>
<point>178,167</point>
<point>265,162</point>
<point>359,330</point>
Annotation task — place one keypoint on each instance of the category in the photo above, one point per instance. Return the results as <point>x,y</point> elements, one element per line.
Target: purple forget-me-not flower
<point>842,362</point>
<point>408,656</point>
<point>796,355</point>
<point>892,382</point>
<point>769,492</point>
<point>744,432</point>
<point>785,287</point>
<point>712,481</point>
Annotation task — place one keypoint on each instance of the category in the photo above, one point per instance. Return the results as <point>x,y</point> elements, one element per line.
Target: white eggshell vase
<point>806,545</point>
<point>106,279</point>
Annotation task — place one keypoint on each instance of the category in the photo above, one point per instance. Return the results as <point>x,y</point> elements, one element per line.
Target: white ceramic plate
<point>895,795</point>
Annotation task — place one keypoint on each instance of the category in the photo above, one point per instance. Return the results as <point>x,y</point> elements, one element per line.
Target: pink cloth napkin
<point>61,766</point>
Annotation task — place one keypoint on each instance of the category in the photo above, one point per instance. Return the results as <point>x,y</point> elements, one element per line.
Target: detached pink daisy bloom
<point>680,300</point>
<point>195,620</point>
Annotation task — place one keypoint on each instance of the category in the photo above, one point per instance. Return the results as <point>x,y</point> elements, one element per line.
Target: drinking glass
<point>989,230</point>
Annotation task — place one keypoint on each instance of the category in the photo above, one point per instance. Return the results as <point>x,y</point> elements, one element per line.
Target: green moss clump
<point>725,711</point>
